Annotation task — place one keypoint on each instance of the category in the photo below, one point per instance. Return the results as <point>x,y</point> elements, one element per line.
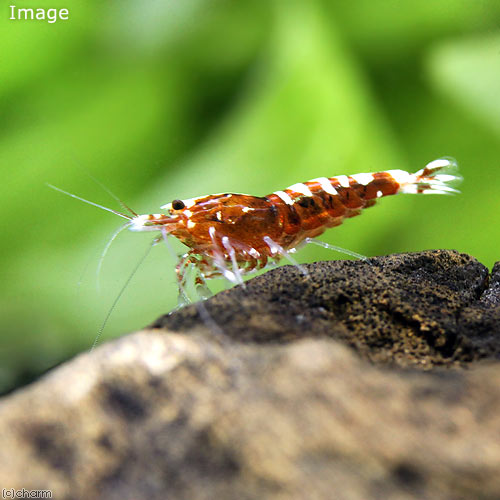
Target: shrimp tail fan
<point>437,177</point>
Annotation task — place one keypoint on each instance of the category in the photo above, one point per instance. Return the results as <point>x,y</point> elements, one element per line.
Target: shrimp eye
<point>178,205</point>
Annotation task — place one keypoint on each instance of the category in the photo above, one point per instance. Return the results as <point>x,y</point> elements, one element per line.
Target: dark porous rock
<point>357,381</point>
<point>422,310</point>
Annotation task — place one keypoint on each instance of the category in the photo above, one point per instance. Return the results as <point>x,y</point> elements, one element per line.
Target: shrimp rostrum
<point>232,234</point>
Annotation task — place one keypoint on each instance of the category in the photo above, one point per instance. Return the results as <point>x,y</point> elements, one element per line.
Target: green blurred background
<point>178,98</point>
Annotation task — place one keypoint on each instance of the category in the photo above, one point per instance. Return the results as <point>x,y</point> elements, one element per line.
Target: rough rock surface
<point>423,310</point>
<point>359,381</point>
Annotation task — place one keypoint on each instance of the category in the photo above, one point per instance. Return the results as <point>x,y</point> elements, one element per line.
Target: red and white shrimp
<point>233,234</point>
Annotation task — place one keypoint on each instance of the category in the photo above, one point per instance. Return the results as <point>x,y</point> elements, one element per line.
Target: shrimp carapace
<point>231,234</point>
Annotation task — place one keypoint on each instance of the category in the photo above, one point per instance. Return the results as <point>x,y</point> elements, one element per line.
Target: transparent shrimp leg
<point>187,262</point>
<point>190,276</point>
<point>182,272</point>
<point>253,260</point>
<point>232,254</point>
<point>200,282</point>
<point>279,250</point>
<point>336,249</point>
<point>220,262</point>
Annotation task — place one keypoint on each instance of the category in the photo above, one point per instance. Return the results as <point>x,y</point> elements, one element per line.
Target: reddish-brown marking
<point>242,221</point>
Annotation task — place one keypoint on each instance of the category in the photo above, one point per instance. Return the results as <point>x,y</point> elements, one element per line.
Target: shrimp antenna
<point>118,297</point>
<point>128,217</point>
<point>113,195</point>
<point>105,251</point>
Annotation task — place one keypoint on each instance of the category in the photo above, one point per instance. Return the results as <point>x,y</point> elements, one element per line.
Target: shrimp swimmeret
<point>232,234</point>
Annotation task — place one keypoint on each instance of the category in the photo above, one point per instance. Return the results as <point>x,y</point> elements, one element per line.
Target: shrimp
<point>232,234</point>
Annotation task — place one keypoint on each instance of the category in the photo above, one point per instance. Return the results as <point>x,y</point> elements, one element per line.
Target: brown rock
<point>245,414</point>
<point>418,309</point>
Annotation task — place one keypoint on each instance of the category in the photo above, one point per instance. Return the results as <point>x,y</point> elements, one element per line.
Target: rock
<point>357,381</point>
<point>423,310</point>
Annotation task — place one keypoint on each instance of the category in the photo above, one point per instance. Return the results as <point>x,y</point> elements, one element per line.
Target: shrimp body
<point>231,234</point>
